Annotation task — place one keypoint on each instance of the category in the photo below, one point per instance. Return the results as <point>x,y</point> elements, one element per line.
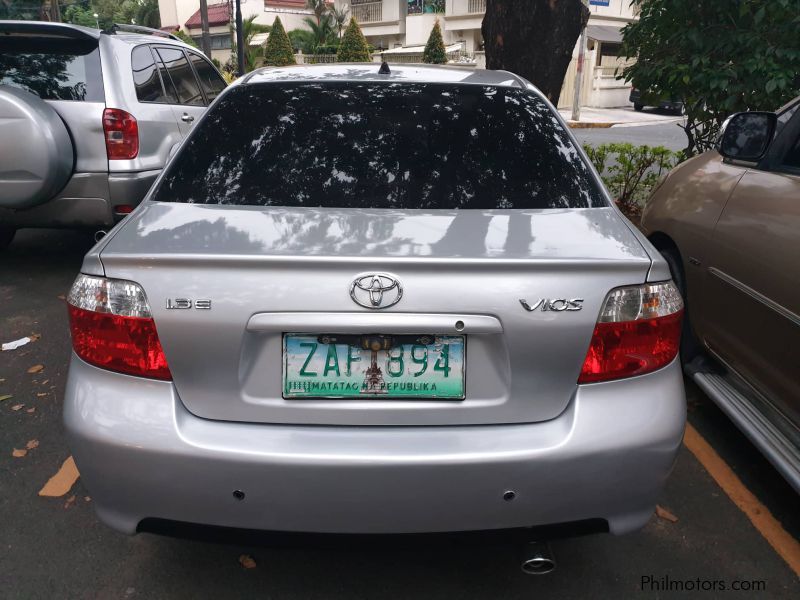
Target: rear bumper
<point>88,200</point>
<point>142,454</point>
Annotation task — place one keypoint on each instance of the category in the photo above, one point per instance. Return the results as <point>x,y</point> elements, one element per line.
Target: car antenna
<point>384,70</point>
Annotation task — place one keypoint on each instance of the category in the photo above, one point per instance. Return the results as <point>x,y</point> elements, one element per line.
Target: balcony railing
<point>476,6</point>
<point>368,12</point>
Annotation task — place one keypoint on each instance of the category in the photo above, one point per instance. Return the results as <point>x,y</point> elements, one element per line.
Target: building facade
<point>185,15</point>
<point>395,24</point>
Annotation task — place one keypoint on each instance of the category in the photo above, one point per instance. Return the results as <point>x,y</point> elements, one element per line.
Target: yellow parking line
<point>768,526</point>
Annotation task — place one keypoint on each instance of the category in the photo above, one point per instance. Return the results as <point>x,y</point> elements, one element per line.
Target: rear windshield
<point>52,68</point>
<point>380,145</point>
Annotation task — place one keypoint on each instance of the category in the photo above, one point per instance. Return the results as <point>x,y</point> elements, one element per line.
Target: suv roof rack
<point>141,29</point>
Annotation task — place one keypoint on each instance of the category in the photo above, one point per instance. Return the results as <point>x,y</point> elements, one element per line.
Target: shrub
<point>717,57</point>
<point>631,172</point>
<point>278,52</point>
<point>353,47</point>
<point>434,50</point>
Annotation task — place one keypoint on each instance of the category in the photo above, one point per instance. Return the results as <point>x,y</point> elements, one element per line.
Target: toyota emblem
<point>376,290</point>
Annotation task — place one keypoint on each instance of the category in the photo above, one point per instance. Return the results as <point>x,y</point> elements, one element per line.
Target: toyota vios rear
<point>365,303</point>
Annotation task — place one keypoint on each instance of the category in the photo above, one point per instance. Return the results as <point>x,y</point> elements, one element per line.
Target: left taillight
<point>638,331</point>
<point>112,327</point>
<point>122,134</point>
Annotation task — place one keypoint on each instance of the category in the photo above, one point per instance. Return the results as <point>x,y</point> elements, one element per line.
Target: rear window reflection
<point>381,145</point>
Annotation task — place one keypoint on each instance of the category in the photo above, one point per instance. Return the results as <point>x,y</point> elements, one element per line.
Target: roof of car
<point>369,72</point>
<point>79,32</point>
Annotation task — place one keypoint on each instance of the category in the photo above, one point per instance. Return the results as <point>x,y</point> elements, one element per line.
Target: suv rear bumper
<point>142,454</point>
<point>88,200</point>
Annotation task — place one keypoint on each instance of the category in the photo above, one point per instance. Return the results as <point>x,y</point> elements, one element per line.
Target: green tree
<point>340,16</point>
<point>254,54</point>
<point>717,57</point>
<point>319,8</point>
<point>279,51</point>
<point>79,15</point>
<point>322,32</point>
<point>185,37</point>
<point>302,39</point>
<point>353,47</point>
<point>434,50</point>
<point>147,14</point>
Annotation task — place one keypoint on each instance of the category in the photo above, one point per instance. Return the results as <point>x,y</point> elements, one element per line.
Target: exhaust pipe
<point>99,234</point>
<point>537,559</point>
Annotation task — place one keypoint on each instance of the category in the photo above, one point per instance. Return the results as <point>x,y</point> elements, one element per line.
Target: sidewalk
<point>617,117</point>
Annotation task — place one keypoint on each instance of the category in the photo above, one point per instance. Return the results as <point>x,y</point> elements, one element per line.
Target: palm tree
<point>340,17</point>
<point>319,7</point>
<point>251,55</point>
<point>322,32</point>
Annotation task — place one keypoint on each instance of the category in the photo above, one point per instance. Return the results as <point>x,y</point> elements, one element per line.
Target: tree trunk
<point>534,39</point>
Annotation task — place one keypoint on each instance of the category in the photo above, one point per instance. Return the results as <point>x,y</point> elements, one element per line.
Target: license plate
<point>407,369</point>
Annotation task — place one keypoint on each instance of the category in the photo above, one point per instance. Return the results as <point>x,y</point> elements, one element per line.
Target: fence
<point>314,59</point>
<point>369,12</point>
<point>476,6</point>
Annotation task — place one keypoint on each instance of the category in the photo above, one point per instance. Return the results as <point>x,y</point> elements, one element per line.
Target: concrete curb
<point>590,125</point>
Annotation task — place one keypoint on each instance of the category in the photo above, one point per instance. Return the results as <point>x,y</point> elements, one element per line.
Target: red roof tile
<point>218,14</point>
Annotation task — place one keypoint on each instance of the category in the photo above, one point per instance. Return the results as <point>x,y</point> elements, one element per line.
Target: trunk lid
<point>269,271</point>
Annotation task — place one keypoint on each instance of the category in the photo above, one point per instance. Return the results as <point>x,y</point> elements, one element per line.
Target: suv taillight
<point>112,327</point>
<point>638,331</point>
<point>122,134</point>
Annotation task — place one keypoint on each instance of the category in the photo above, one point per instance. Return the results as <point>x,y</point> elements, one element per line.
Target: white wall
<point>616,9</point>
<point>177,12</point>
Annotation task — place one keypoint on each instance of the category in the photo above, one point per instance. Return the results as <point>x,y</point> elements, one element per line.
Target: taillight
<point>637,332</point>
<point>112,327</point>
<point>122,134</point>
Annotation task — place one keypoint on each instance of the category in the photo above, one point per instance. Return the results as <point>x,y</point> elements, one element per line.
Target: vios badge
<point>376,290</point>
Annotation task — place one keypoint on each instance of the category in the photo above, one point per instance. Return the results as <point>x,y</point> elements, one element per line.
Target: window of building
<point>218,42</point>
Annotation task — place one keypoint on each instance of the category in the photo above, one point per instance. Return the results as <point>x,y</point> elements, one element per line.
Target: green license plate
<point>313,369</point>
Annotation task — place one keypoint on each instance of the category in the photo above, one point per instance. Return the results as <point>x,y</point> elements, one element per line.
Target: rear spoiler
<point>65,30</point>
<point>140,29</point>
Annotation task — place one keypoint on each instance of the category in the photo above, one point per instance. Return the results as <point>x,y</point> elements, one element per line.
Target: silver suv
<point>88,119</point>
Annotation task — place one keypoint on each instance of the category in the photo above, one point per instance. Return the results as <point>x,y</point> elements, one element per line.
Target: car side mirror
<point>746,136</point>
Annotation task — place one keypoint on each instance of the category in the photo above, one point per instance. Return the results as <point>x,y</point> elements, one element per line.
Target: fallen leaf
<point>61,297</point>
<point>5,396</point>
<point>32,444</point>
<point>663,513</point>
<point>45,382</point>
<point>17,406</point>
<point>35,336</point>
<point>36,369</point>
<point>87,498</point>
<point>19,452</point>
<point>60,483</point>
<point>247,561</point>
<point>70,501</point>
<point>32,409</point>
<point>41,394</point>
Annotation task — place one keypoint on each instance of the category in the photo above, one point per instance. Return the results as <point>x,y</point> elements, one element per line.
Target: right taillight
<point>112,327</point>
<point>637,332</point>
<point>122,134</point>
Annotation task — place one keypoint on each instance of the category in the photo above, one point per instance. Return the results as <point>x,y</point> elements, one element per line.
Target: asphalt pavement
<point>669,135</point>
<point>56,548</point>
